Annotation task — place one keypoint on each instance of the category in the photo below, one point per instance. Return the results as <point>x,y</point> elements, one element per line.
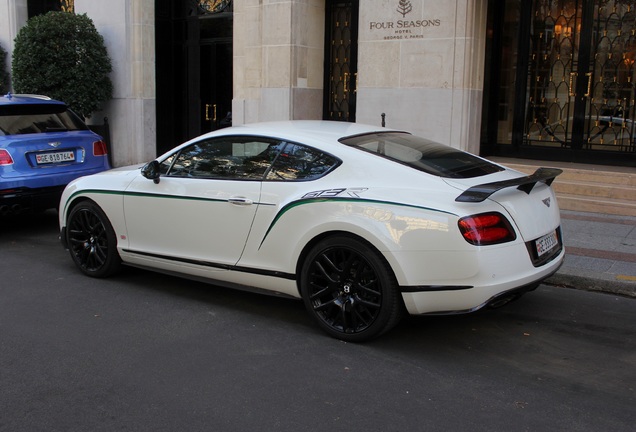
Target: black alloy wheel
<point>348,287</point>
<point>91,240</point>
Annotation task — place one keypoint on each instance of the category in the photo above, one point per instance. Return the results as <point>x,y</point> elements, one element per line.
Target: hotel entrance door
<point>572,94</point>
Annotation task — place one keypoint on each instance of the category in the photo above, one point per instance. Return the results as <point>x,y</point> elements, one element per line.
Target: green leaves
<point>62,55</point>
<point>4,76</point>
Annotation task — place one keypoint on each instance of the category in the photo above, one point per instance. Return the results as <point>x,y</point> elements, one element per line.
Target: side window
<point>298,162</point>
<point>232,158</point>
<point>166,164</point>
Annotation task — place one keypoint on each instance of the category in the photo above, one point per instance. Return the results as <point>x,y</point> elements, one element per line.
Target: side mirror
<point>151,171</point>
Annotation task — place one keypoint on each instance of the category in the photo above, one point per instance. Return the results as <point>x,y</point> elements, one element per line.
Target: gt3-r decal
<point>331,193</point>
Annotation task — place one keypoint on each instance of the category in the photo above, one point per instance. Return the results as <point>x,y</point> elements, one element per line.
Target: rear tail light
<point>486,229</point>
<point>99,148</point>
<point>5,158</point>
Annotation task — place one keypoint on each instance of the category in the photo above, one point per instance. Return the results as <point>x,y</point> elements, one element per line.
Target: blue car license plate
<point>47,158</point>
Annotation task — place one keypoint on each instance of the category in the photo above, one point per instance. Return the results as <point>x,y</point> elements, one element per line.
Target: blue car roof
<point>28,99</point>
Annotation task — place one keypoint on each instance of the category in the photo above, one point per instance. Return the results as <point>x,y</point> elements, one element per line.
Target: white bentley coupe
<point>362,223</point>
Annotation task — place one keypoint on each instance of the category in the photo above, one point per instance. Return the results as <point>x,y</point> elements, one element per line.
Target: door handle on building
<point>207,112</point>
<point>346,82</point>
<point>572,91</point>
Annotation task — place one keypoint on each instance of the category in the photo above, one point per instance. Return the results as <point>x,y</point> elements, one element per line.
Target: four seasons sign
<point>405,27</point>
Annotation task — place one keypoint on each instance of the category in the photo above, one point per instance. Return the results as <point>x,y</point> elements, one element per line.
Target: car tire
<point>91,240</point>
<point>350,290</point>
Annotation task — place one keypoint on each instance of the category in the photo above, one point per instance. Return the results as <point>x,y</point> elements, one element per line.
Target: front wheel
<point>350,290</point>
<point>91,240</point>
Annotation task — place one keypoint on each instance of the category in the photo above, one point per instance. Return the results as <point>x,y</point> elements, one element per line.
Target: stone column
<point>128,30</point>
<point>421,63</point>
<point>13,15</point>
<point>278,60</point>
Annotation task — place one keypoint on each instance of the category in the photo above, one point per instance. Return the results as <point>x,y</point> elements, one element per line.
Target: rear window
<point>38,118</point>
<point>423,155</point>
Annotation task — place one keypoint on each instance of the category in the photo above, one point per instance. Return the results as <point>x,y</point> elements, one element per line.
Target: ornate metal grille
<point>553,52</point>
<point>342,70</point>
<point>67,6</point>
<point>611,112</point>
<point>581,83</point>
<point>208,7</point>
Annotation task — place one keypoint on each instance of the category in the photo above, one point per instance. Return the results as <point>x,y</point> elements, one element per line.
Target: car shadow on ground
<point>423,334</point>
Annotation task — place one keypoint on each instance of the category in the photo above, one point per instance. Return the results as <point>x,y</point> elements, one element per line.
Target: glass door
<point>610,108</point>
<point>581,76</point>
<point>555,74</point>
<point>215,85</point>
<point>341,62</point>
<point>561,80</point>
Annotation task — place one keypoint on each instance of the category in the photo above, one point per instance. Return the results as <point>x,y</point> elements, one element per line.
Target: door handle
<point>240,201</point>
<point>589,84</point>
<point>207,112</point>
<point>572,91</point>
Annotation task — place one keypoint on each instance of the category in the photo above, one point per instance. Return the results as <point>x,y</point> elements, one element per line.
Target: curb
<point>590,281</point>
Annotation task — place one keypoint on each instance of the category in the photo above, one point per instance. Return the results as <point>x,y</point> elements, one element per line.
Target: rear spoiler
<point>480,192</point>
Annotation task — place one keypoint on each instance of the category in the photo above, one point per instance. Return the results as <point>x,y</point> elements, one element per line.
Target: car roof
<point>307,131</point>
<point>28,99</point>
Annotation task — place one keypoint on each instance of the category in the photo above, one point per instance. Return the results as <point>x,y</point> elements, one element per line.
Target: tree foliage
<point>61,55</point>
<point>4,75</point>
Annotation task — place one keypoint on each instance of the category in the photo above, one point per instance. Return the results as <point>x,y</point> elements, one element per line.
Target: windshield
<point>37,118</point>
<point>422,154</point>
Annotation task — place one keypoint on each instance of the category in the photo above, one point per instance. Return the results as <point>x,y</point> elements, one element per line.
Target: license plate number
<point>546,243</point>
<point>47,158</point>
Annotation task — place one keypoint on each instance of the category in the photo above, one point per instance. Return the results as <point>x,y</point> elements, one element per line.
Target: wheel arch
<point>68,208</point>
<point>111,204</point>
<point>63,216</point>
<point>90,238</point>
<point>338,233</point>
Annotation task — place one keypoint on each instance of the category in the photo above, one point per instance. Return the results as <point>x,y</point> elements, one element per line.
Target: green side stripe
<point>300,202</point>
<point>278,216</point>
<point>139,194</point>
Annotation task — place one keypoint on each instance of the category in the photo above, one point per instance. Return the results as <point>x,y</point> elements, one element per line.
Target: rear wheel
<point>350,290</point>
<point>92,241</point>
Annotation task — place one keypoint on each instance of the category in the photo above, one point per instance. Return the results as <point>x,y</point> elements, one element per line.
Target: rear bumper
<point>36,192</point>
<point>27,200</point>
<point>493,284</point>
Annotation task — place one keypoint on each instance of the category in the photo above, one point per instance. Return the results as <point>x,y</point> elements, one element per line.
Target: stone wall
<point>128,30</point>
<point>420,62</point>
<point>278,60</point>
<point>422,66</point>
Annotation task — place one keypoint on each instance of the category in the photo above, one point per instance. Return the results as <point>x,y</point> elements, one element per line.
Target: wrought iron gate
<point>581,80</point>
<point>341,68</point>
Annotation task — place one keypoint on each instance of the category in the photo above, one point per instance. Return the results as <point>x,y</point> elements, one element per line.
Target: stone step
<point>598,190</point>
<point>595,176</point>
<point>588,188</point>
<point>595,205</point>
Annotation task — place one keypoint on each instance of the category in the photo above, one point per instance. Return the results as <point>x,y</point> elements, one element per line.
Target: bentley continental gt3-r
<point>361,223</point>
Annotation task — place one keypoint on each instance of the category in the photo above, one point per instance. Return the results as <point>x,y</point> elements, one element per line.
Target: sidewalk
<point>600,253</point>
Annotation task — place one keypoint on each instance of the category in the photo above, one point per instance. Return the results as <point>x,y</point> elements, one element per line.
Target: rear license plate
<point>546,243</point>
<point>47,158</point>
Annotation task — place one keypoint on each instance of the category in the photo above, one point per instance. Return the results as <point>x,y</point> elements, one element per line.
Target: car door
<point>201,210</point>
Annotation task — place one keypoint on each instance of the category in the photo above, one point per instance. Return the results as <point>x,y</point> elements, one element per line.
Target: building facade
<point>541,79</point>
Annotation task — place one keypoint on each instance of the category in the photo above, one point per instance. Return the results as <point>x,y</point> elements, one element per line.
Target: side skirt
<point>217,266</point>
<point>221,283</point>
